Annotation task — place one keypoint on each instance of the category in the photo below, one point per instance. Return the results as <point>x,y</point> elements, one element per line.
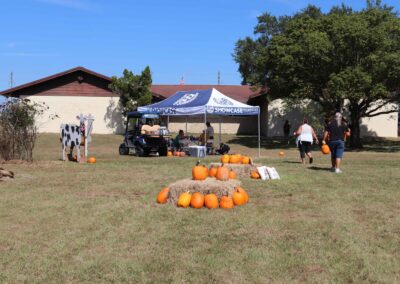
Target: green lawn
<point>68,222</point>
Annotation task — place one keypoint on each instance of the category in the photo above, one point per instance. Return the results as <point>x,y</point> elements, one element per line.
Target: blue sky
<point>192,38</point>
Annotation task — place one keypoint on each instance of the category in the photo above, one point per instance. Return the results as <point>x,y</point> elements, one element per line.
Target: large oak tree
<point>345,60</point>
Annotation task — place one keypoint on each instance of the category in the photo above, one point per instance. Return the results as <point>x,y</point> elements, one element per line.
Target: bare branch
<point>381,112</point>
<point>371,111</point>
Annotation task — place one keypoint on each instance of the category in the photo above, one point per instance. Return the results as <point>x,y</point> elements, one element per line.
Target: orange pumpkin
<point>212,172</point>
<point>182,154</point>
<point>281,153</point>
<point>226,202</point>
<point>169,154</point>
<point>197,200</point>
<point>245,160</point>
<point>222,173</point>
<point>163,195</point>
<point>91,160</point>
<point>244,192</point>
<point>325,149</point>
<point>184,199</point>
<point>235,159</point>
<point>176,153</point>
<point>232,175</point>
<point>211,201</point>
<point>199,172</point>
<point>255,175</point>
<point>225,159</point>
<point>238,197</point>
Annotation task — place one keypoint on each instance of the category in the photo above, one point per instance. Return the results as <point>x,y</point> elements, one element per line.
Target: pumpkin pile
<point>236,170</point>
<point>221,172</point>
<point>209,200</point>
<point>235,159</point>
<point>176,154</point>
<point>212,187</point>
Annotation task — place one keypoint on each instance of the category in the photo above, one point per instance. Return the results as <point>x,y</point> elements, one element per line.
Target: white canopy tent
<point>205,103</point>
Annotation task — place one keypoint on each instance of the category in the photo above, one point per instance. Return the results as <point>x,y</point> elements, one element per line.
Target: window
<point>132,123</point>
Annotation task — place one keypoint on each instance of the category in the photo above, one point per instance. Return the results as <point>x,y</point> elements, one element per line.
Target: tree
<point>345,60</point>
<point>133,90</point>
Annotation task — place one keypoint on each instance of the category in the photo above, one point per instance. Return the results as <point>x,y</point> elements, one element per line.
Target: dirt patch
<point>211,185</point>
<point>15,162</point>
<point>240,169</point>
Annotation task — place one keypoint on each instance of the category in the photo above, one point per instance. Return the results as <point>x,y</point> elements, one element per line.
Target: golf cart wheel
<point>123,150</point>
<point>139,151</point>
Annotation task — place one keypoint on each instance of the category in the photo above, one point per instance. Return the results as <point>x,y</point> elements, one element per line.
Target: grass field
<point>68,222</point>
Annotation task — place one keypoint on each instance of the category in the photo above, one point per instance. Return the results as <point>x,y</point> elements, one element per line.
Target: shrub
<point>18,128</point>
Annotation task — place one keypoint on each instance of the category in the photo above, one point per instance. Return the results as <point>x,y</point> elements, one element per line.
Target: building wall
<point>385,125</point>
<point>108,116</point>
<point>229,125</point>
<point>109,119</point>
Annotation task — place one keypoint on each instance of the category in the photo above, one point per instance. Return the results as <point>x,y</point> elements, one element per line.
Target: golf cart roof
<point>145,115</point>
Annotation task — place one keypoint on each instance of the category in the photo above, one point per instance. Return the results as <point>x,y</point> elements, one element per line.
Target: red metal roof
<point>48,78</point>
<point>240,93</point>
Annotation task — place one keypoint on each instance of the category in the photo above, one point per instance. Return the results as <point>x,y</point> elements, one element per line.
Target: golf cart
<point>144,135</point>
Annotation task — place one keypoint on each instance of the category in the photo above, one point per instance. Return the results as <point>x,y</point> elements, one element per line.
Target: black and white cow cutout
<point>73,135</point>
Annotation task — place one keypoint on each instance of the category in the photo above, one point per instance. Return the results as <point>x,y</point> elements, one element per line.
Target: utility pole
<point>219,78</point>
<point>182,81</point>
<point>11,83</point>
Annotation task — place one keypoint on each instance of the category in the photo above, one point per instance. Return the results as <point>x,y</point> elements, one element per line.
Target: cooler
<point>197,151</point>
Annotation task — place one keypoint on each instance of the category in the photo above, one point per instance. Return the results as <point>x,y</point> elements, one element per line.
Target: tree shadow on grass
<point>378,144</point>
<point>371,144</point>
<point>268,143</point>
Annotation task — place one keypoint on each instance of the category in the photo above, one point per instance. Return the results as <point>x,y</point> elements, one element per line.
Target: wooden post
<point>88,130</point>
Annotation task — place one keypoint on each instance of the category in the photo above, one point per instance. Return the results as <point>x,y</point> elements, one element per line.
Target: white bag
<point>263,172</point>
<point>273,173</point>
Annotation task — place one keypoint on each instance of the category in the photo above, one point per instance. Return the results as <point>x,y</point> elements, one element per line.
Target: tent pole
<point>167,121</point>
<point>259,140</point>
<point>205,128</point>
<point>186,125</point>
<point>219,142</point>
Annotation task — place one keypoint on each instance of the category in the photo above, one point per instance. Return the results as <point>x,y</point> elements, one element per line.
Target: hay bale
<point>208,185</point>
<point>240,169</point>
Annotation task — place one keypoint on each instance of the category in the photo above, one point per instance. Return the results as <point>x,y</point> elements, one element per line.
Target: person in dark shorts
<point>305,136</point>
<point>337,131</point>
<point>286,130</point>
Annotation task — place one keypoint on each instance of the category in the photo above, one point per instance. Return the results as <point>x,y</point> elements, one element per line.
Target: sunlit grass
<point>68,222</point>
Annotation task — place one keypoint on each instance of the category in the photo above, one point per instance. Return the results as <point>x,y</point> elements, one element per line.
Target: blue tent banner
<point>199,102</point>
